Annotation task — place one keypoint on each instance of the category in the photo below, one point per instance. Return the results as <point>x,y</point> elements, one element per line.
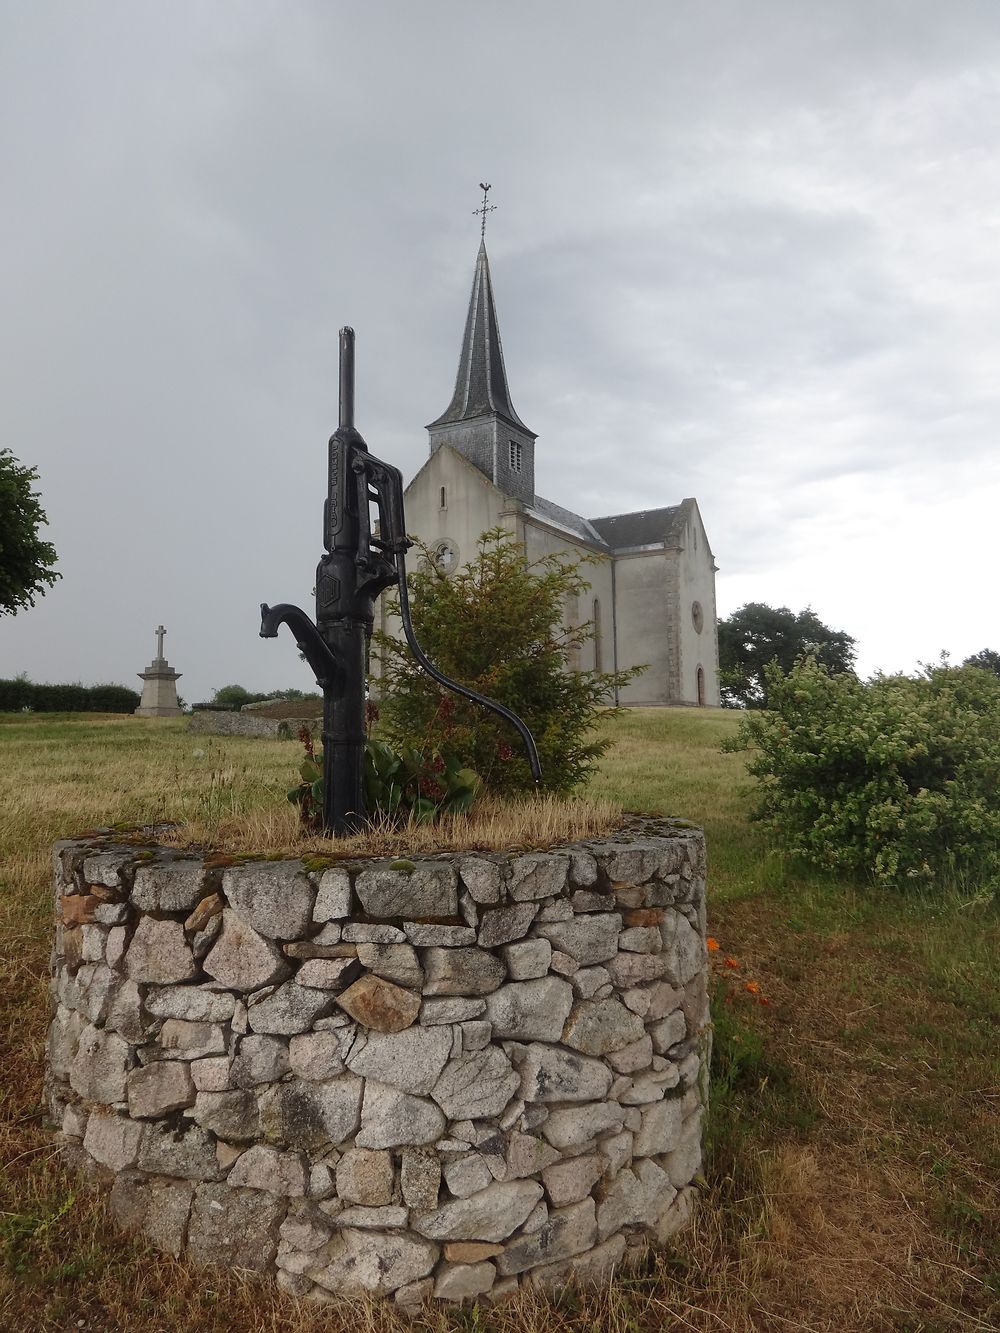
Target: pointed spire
<point>481,384</point>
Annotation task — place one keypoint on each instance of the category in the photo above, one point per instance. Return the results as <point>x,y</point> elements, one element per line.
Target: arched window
<point>571,621</point>
<point>701,687</point>
<point>597,635</point>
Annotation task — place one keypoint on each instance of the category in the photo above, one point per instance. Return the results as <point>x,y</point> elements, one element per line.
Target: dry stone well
<point>430,1079</point>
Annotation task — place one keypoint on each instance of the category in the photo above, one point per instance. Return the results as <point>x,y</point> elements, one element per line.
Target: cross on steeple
<point>480,422</point>
<point>486,208</point>
<point>160,631</point>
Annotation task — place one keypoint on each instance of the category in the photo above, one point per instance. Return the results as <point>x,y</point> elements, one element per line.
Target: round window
<point>446,556</point>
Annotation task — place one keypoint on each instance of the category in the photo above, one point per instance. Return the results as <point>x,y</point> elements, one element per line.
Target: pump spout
<point>328,671</point>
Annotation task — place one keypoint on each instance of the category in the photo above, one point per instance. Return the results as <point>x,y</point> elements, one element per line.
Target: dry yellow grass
<point>852,1175</point>
<point>491,825</point>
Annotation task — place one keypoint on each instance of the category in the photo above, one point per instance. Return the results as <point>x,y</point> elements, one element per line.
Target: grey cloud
<point>742,253</point>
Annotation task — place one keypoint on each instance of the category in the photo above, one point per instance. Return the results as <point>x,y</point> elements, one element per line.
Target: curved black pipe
<point>442,679</point>
<point>327,670</point>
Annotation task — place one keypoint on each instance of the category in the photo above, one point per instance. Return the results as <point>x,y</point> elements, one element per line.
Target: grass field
<point>852,1181</point>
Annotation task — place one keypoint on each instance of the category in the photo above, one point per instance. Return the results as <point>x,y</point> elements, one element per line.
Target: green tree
<point>26,562</point>
<point>987,659</point>
<point>496,625</point>
<point>757,635</point>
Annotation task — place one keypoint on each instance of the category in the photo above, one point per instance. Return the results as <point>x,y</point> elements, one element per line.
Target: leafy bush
<point>16,695</point>
<point>894,779</point>
<point>399,787</point>
<point>21,694</point>
<point>409,786</point>
<point>113,699</point>
<point>232,698</point>
<point>496,625</point>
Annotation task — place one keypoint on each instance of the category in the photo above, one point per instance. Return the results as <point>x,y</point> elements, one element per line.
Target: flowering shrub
<point>894,779</point>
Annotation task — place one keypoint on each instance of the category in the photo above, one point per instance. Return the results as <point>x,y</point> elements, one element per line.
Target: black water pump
<point>357,567</point>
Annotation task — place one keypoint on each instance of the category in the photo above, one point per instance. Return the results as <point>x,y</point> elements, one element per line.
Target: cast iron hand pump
<point>357,567</point>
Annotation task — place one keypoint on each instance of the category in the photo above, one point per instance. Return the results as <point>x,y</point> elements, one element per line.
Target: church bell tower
<point>480,422</point>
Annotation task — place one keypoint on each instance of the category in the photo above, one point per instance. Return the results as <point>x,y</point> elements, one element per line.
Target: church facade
<point>652,594</point>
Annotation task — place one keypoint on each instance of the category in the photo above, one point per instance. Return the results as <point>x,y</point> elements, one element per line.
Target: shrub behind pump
<point>357,567</point>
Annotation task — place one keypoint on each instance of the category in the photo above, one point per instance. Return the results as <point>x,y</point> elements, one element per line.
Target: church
<point>652,594</point>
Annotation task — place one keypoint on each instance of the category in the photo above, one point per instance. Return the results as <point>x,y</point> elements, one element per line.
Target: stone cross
<point>159,689</point>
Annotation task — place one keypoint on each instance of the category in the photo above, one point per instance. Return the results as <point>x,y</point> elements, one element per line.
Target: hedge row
<point>18,695</point>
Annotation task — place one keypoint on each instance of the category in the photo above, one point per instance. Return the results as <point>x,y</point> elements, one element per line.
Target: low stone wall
<point>212,723</point>
<point>426,1079</point>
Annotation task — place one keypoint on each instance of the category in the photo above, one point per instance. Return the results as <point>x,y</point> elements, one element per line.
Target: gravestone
<point>159,691</point>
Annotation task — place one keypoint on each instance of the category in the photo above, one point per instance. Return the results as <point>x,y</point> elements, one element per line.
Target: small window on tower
<point>515,456</point>
<point>444,498</point>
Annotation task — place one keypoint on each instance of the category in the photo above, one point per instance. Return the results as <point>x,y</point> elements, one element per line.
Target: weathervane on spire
<point>486,208</point>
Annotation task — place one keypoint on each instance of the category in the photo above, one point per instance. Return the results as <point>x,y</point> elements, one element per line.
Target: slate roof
<point>619,532</point>
<point>481,383</point>
<point>565,518</point>
<point>648,527</point>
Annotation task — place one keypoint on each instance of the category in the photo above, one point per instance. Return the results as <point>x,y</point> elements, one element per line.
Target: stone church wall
<point>644,611</point>
<point>541,541</point>
<point>642,583</point>
<point>430,1079</point>
<point>472,503</point>
<point>696,576</point>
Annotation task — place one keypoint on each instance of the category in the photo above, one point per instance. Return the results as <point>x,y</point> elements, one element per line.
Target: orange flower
<point>713,945</point>
<point>752,987</point>
<point>732,962</point>
<point>764,1000</point>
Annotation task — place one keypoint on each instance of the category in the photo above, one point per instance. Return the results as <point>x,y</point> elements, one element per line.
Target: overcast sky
<point>744,251</point>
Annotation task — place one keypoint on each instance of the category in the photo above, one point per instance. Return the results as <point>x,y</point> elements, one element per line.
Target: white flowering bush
<point>895,779</point>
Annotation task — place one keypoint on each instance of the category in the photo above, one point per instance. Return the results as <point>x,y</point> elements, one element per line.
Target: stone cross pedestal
<point>159,692</point>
